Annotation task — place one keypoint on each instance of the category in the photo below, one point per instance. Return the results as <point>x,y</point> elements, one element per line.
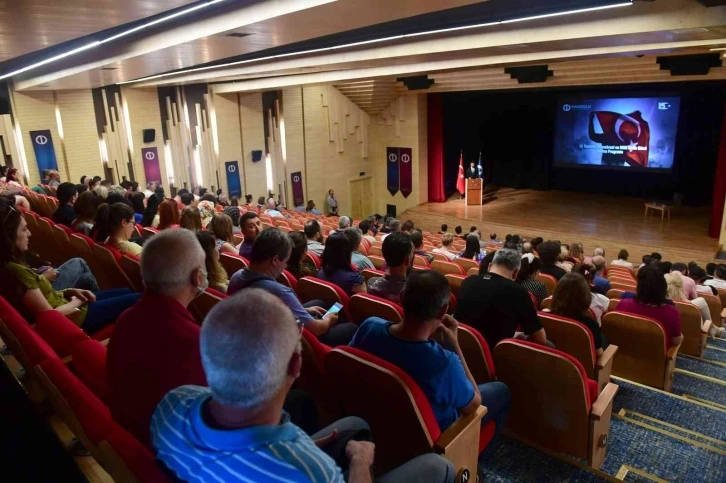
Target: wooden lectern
<point>473,191</point>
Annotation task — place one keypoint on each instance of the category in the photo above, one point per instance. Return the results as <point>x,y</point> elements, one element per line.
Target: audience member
<point>622,260</point>
<point>677,291</point>
<point>272,209</point>
<point>527,248</point>
<point>495,305</point>
<point>656,256</point>
<point>549,251</point>
<point>343,223</point>
<point>440,370</point>
<point>251,227</point>
<point>168,215</point>
<point>234,215</point>
<point>270,253</point>
<point>190,219</point>
<point>699,276</point>
<point>444,229</point>
<point>295,264</point>
<point>689,285</point>
<point>155,346</point>
<point>217,276</point>
<point>150,187</point>
<point>418,246</point>
<point>408,227</point>
<point>31,293</point>
<point>572,299</point>
<point>85,207</point>
<point>151,215</point>
<point>114,224</point>
<point>536,242</point>
<point>359,260</point>
<point>67,195</point>
<point>601,283</point>
<point>710,269</point>
<point>472,251</point>
<point>394,226</point>
<point>446,245</point>
<point>527,277</point>
<point>221,227</point>
<point>365,227</point>
<point>299,205</point>
<point>665,267</point>
<point>398,252</point>
<point>186,199</point>
<point>332,204</point>
<point>311,208</point>
<point>719,278</point>
<point>314,235</point>
<point>237,429</point>
<point>261,202</point>
<point>599,303</point>
<point>337,265</point>
<point>650,301</point>
<point>577,253</point>
<point>137,203</point>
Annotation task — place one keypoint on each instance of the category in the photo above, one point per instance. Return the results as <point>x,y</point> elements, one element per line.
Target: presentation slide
<point>637,133</point>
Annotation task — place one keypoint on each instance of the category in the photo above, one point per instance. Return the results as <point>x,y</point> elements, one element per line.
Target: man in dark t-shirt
<point>495,305</point>
<point>548,253</point>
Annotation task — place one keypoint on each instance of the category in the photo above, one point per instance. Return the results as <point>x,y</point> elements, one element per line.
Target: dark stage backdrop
<point>514,130</point>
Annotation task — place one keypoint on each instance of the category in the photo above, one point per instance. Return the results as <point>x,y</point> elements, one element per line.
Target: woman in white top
<point>598,303</point>
<point>446,242</point>
<point>622,260</point>
<point>676,291</point>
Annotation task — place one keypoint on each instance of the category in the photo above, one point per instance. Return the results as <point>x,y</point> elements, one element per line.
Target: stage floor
<point>594,220</point>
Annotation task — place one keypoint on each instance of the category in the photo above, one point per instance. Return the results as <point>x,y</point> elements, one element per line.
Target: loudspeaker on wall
<point>149,135</point>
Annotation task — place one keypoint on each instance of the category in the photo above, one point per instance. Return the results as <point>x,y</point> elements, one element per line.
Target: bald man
<point>602,285</point>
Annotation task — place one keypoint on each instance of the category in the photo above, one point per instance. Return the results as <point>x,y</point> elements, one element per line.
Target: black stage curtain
<point>514,130</point>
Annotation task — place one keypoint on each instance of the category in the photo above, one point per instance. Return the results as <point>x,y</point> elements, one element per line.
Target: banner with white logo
<point>234,185</point>
<point>44,151</point>
<point>393,171</point>
<point>406,155</point>
<point>151,165</point>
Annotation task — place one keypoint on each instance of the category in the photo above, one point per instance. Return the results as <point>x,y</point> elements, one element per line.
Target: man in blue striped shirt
<point>236,430</point>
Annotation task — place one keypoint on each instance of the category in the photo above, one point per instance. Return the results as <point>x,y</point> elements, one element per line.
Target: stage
<point>595,220</point>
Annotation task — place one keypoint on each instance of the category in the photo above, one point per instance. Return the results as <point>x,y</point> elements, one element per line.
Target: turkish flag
<point>614,129</point>
<point>460,183</point>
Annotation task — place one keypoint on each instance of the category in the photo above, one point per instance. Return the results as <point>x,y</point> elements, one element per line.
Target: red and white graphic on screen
<point>617,129</point>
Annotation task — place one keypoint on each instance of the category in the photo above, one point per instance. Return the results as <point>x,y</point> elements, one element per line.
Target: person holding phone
<point>270,253</point>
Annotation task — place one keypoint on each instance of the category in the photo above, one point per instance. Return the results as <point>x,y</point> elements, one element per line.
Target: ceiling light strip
<point>626,3</point>
<point>110,39</point>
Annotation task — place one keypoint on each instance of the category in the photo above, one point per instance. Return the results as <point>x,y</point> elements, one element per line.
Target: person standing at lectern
<point>471,171</point>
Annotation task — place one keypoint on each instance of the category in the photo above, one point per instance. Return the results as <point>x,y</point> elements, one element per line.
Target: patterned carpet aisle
<point>715,353</point>
<point>690,385</point>
<point>719,343</point>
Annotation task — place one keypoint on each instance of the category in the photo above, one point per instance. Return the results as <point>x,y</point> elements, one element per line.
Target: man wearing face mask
<point>155,346</point>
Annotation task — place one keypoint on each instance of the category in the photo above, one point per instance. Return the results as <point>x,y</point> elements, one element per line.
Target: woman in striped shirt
<point>527,277</point>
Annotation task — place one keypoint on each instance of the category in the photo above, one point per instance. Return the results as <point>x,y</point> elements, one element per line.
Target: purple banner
<point>406,156</point>
<point>151,165</point>
<point>297,187</point>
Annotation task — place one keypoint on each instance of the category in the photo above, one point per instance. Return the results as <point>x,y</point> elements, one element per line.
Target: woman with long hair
<point>85,207</point>
<point>138,203</point>
<point>527,277</point>
<point>115,226</point>
<point>572,299</point>
<point>577,254</point>
<point>472,251</point>
<point>191,219</point>
<point>32,294</point>
<point>168,215</point>
<point>221,227</point>
<point>295,264</point>
<point>234,213</point>
<point>150,213</point>
<point>599,303</point>
<point>651,300</point>
<point>206,209</point>
<point>337,268</point>
<point>216,274</point>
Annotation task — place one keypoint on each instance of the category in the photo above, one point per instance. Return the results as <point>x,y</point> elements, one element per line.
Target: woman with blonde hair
<point>446,247</point>
<point>577,254</point>
<point>191,219</point>
<point>562,261</point>
<point>168,215</point>
<point>206,209</point>
<point>221,227</point>
<point>677,291</point>
<point>216,274</point>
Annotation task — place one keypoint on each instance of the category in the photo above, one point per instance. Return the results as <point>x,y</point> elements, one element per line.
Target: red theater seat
<point>201,305</point>
<point>110,259</point>
<point>363,305</point>
<point>554,403</point>
<point>233,263</point>
<point>82,246</point>
<point>477,354</point>
<point>309,288</point>
<point>399,413</point>
<point>89,363</point>
<point>59,332</point>
<point>288,279</point>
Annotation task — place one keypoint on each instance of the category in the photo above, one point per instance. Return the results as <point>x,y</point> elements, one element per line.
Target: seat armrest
<point>604,400</point>
<point>606,357</point>
<point>672,352</point>
<point>706,326</point>
<point>456,431</point>
<point>105,341</point>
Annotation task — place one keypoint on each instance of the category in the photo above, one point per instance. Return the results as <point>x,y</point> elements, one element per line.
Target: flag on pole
<point>479,169</point>
<point>460,183</point>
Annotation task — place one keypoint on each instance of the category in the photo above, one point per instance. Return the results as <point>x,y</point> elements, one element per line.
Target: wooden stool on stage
<point>659,207</point>
<point>473,191</point>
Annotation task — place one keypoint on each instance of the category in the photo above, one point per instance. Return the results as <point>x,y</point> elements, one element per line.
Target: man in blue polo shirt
<point>268,258</point>
<point>236,430</point>
<point>441,373</point>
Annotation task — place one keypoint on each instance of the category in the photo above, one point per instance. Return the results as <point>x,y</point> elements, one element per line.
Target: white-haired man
<point>155,346</point>
<point>236,429</point>
<point>272,209</point>
<point>343,223</point>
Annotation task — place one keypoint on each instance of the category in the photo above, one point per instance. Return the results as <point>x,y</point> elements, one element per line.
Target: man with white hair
<point>343,223</point>
<point>236,429</point>
<point>272,209</point>
<point>150,188</point>
<point>597,252</point>
<point>393,226</point>
<point>155,346</point>
<point>602,284</point>
<point>494,304</point>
